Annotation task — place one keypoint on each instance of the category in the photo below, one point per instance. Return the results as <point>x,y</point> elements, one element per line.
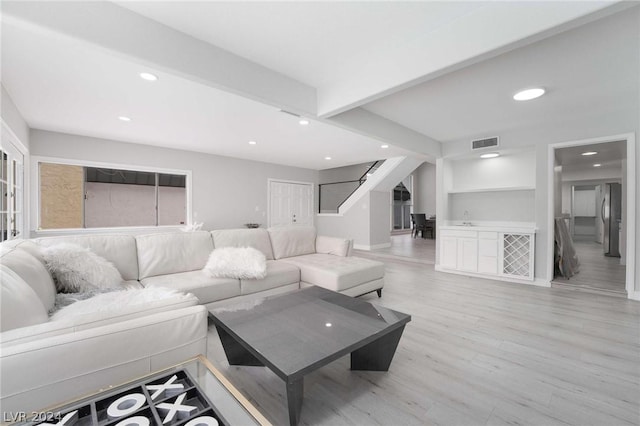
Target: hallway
<point>598,273</point>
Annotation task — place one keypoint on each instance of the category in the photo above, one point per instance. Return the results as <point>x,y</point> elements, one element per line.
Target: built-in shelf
<point>501,189</point>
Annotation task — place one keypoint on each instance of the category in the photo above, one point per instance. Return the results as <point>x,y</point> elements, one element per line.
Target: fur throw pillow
<point>76,269</point>
<point>237,262</point>
<point>117,301</point>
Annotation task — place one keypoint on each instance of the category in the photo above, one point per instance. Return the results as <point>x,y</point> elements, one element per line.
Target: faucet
<point>466,221</point>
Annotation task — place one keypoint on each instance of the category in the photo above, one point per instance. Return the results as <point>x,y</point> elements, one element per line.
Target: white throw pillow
<point>77,269</point>
<point>243,263</point>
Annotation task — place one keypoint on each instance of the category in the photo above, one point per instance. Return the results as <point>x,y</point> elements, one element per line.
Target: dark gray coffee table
<point>296,333</point>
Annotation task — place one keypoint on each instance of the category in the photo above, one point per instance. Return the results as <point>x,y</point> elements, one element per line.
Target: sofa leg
<point>379,291</point>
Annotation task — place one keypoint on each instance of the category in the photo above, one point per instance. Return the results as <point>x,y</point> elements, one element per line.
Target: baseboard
<point>373,247</point>
<point>538,282</point>
<point>634,295</point>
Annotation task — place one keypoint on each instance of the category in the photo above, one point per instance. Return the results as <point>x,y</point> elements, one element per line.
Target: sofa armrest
<point>51,370</point>
<point>332,245</point>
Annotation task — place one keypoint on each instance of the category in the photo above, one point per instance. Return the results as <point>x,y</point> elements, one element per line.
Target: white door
<point>290,203</point>
<point>11,190</point>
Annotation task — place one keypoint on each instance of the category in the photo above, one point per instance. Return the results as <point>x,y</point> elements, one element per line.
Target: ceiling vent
<point>484,143</point>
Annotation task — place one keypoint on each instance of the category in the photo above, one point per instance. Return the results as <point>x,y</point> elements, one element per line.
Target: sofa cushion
<point>161,254</point>
<point>33,272</point>
<point>256,238</point>
<point>27,245</point>
<point>278,274</point>
<point>117,249</point>
<point>20,306</point>
<point>335,272</point>
<point>78,269</point>
<point>288,241</point>
<point>205,288</point>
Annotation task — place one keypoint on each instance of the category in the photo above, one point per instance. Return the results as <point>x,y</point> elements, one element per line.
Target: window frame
<point>35,212</point>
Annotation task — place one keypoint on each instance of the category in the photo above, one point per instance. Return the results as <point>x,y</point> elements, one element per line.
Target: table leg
<point>377,355</point>
<point>236,353</point>
<point>295,392</point>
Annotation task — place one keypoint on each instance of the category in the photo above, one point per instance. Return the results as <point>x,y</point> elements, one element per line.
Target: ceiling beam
<point>377,127</point>
<point>124,33</point>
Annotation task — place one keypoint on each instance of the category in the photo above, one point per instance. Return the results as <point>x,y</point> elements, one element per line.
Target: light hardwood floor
<point>420,250</point>
<point>597,271</point>
<point>477,352</point>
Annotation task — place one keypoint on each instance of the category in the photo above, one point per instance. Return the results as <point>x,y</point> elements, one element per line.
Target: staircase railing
<point>333,195</point>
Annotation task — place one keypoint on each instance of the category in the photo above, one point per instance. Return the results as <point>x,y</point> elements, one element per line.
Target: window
<point>12,191</point>
<point>83,196</point>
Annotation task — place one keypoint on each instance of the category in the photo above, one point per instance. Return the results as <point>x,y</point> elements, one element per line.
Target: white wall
<point>503,206</point>
<point>380,218</point>
<point>227,192</point>
<point>367,223</point>
<point>354,224</point>
<point>12,117</point>
<point>342,174</point>
<point>513,169</point>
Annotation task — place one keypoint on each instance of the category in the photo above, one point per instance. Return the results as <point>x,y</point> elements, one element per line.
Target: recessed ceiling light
<point>527,95</point>
<point>303,122</point>
<point>589,153</point>
<point>148,76</point>
<point>385,146</point>
<point>123,118</point>
<point>327,158</point>
<point>328,324</point>
<point>597,165</point>
<point>252,142</point>
<point>490,155</point>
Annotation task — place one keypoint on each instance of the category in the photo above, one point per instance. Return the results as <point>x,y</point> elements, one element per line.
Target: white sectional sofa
<point>45,361</point>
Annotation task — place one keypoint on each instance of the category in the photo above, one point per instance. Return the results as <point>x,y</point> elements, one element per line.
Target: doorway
<point>290,203</point>
<point>593,217</point>
<point>402,206</point>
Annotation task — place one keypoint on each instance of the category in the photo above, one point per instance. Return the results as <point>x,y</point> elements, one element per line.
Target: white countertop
<point>491,227</point>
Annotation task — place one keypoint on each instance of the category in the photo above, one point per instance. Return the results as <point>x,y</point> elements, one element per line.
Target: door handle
<point>602,211</point>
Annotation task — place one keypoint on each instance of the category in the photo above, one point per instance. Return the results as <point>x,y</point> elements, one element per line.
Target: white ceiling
<point>587,72</point>
<point>607,154</point>
<point>421,65</point>
<point>312,42</point>
<point>62,85</point>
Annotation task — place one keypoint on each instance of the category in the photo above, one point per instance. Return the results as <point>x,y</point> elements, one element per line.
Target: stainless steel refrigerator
<point>611,213</point>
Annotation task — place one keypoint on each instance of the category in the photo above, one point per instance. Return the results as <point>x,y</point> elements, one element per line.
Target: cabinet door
<point>448,252</point>
<point>468,254</point>
<point>488,265</point>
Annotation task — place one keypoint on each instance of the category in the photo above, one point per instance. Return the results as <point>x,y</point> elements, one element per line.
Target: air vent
<point>484,143</point>
<point>290,113</point>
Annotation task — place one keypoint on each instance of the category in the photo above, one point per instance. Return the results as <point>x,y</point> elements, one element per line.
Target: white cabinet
<point>449,252</point>
<point>459,250</point>
<point>467,256</point>
<point>490,252</point>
